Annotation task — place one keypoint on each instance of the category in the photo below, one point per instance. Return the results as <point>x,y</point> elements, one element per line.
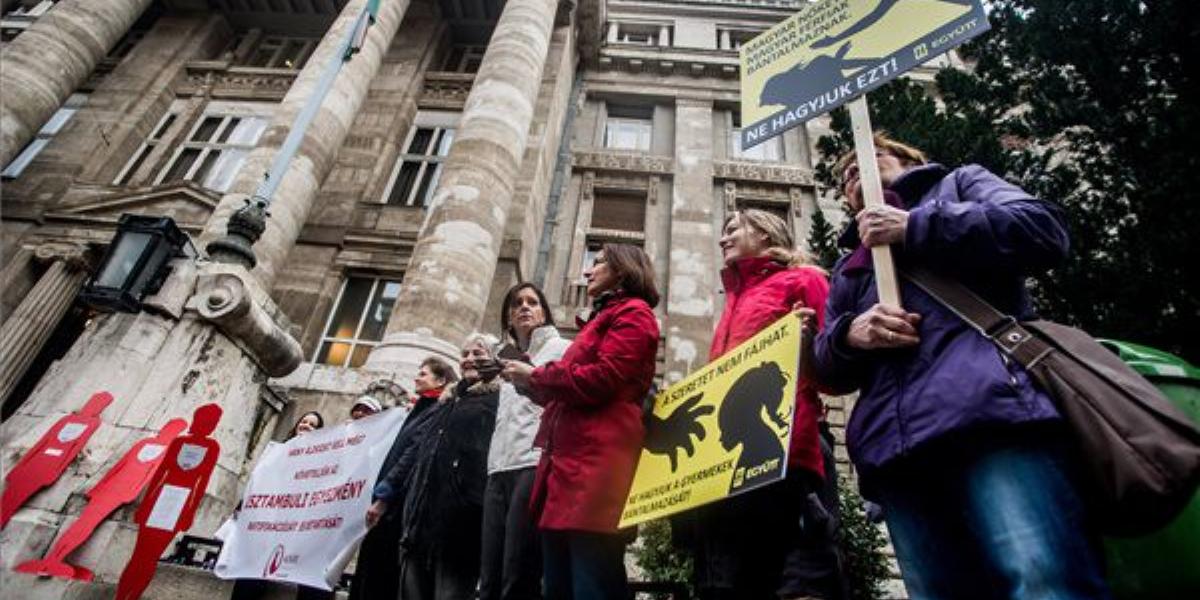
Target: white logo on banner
<point>305,506</point>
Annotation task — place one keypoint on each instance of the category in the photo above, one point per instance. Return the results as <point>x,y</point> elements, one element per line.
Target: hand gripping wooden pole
<point>872,193</point>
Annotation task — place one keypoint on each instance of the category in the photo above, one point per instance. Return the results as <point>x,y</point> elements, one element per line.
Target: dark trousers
<point>778,541</point>
<point>582,565</point>
<point>450,576</point>
<point>377,573</point>
<point>511,560</point>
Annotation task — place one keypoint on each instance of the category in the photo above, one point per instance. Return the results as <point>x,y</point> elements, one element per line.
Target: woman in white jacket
<point>511,558</point>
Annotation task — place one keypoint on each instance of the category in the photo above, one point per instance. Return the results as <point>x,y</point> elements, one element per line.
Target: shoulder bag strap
<point>1003,330</point>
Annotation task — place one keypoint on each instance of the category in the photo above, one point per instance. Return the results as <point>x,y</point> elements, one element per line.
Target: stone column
<point>48,61</point>
<point>27,329</point>
<point>448,278</point>
<point>694,277</point>
<point>16,279</point>
<point>314,160</point>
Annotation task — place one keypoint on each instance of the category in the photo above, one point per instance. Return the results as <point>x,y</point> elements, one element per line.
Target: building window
<point>20,18</point>
<point>464,59</point>
<point>619,212</point>
<point>769,151</point>
<point>628,128</point>
<point>640,34</point>
<point>357,321</point>
<point>275,52</point>
<point>590,250</point>
<point>44,135</point>
<point>732,39</point>
<point>148,146</point>
<point>415,176</point>
<point>216,147</point>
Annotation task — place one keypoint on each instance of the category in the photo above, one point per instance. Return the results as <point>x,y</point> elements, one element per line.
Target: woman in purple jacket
<point>965,454</point>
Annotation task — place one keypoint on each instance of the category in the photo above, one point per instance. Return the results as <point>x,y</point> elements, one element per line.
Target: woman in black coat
<point>443,498</point>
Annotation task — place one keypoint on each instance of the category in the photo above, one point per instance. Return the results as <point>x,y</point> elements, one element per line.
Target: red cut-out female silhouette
<point>121,484</point>
<point>45,462</point>
<point>172,499</point>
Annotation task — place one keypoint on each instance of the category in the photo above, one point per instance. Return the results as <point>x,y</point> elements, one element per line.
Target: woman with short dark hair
<point>591,431</point>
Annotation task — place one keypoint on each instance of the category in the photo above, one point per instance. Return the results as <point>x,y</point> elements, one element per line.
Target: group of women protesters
<point>511,480</point>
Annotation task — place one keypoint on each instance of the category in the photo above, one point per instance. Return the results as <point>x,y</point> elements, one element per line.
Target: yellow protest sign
<point>835,50</point>
<point>722,430</point>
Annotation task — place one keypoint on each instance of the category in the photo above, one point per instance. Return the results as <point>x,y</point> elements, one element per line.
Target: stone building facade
<point>469,145</point>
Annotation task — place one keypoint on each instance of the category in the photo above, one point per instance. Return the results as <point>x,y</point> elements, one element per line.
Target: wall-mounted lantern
<point>135,265</point>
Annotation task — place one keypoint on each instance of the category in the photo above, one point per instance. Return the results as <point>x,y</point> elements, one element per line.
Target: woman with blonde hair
<point>776,541</point>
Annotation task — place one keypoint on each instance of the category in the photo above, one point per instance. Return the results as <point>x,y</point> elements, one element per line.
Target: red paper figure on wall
<point>172,499</point>
<point>122,484</point>
<point>45,462</point>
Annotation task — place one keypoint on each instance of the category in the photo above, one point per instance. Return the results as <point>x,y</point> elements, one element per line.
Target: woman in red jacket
<point>775,541</point>
<point>591,431</point>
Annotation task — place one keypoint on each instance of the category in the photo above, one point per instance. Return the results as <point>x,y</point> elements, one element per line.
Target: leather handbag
<point>1140,454</point>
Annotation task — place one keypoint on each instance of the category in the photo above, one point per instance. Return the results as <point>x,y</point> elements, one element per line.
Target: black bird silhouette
<point>870,19</point>
<point>782,88</point>
<point>670,435</point>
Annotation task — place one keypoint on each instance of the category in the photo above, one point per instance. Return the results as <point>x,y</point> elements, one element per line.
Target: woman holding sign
<point>775,541</point>
<point>591,431</point>
<point>976,476</point>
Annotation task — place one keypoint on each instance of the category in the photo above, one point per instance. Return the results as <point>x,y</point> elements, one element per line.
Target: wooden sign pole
<point>872,193</point>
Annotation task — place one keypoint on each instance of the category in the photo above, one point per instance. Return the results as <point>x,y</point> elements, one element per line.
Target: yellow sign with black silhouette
<point>835,50</point>
<point>722,430</point>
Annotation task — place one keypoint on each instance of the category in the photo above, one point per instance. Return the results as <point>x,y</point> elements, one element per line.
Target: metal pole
<point>279,166</point>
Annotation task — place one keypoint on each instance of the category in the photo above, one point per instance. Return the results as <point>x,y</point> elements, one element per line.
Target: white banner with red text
<point>304,509</point>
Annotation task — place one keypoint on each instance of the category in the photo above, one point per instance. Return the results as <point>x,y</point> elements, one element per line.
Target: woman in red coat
<point>591,431</point>
<point>775,541</point>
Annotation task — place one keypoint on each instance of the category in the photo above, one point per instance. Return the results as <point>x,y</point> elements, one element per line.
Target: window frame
<point>306,46</point>
<point>440,122</point>
<point>147,147</point>
<point>226,111</point>
<point>470,58</point>
<point>733,120</point>
<point>638,122</point>
<point>355,341</point>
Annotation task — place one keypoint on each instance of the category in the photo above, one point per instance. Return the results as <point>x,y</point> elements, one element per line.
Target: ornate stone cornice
<point>606,160</point>
<point>441,89</point>
<point>629,58</point>
<point>220,80</point>
<point>763,172</point>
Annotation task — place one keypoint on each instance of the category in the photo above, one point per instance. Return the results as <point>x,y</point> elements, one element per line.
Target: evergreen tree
<point>1090,105</point>
<point>822,241</point>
